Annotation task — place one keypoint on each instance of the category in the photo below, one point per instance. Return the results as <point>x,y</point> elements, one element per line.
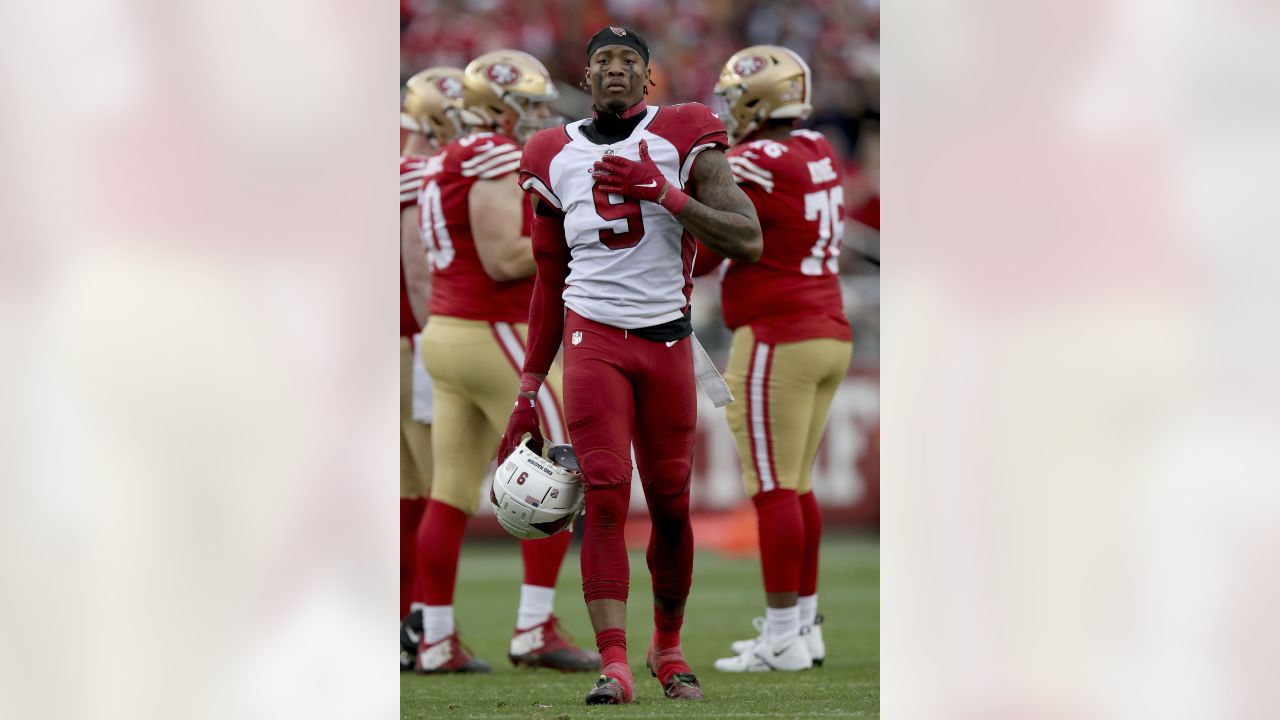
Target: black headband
<point>617,36</point>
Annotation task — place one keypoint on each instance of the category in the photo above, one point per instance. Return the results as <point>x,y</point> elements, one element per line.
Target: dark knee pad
<point>603,468</point>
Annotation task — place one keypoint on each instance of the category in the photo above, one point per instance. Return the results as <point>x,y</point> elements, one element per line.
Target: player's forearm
<point>732,234</point>
<point>506,259</point>
<point>546,306</point>
<point>417,273</point>
<point>420,299</point>
<point>721,215</point>
<point>546,327</point>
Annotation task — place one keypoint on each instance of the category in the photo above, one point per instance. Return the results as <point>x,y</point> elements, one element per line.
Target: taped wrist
<point>673,199</point>
<point>530,383</point>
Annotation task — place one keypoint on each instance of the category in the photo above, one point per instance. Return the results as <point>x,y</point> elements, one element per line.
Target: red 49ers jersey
<point>793,292</point>
<point>411,172</point>
<point>459,285</point>
<point>630,260</point>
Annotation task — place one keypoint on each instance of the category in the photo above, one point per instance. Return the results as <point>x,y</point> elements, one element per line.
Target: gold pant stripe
<point>549,410</point>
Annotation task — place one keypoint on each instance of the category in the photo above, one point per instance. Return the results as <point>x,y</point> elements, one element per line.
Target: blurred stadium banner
<point>846,474</point>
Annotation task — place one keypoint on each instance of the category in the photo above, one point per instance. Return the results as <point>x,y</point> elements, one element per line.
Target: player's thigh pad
<point>415,437</point>
<point>464,362</point>
<point>599,405</point>
<point>830,359</point>
<point>666,415</point>
<point>777,389</point>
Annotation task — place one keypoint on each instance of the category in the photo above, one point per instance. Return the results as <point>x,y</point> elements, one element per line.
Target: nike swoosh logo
<point>776,653</point>
<point>652,183</point>
<point>673,342</point>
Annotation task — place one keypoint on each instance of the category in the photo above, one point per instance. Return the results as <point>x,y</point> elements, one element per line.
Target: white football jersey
<point>630,260</point>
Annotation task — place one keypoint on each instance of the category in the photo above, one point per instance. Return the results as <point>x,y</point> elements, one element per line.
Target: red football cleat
<point>679,685</point>
<point>548,645</point>
<point>615,688</point>
<point>447,656</point>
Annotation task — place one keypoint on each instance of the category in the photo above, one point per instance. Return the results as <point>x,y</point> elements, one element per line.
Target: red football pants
<point>620,389</point>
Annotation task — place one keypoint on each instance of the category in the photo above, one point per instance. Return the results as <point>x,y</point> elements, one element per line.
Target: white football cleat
<point>813,636</point>
<point>789,654</point>
<point>741,646</point>
<point>811,633</point>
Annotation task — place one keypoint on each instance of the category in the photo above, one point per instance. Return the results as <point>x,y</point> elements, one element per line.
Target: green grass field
<point>726,594</point>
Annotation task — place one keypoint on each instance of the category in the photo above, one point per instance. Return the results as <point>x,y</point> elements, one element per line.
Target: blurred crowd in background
<point>689,42</point>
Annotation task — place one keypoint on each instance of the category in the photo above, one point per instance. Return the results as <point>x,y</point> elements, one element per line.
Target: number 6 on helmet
<point>534,496</point>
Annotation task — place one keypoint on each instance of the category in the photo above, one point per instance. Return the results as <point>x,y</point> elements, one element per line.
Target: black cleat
<point>682,686</point>
<point>410,636</point>
<point>608,691</point>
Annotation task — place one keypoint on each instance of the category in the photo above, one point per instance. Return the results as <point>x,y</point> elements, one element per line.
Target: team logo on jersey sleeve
<point>450,87</point>
<point>749,65</point>
<point>577,337</point>
<point>503,73</point>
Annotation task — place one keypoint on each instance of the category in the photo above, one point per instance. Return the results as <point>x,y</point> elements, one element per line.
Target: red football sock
<point>812,539</point>
<point>612,644</point>
<point>411,510</point>
<point>666,629</point>
<point>668,659</point>
<point>606,572</point>
<point>439,541</point>
<point>542,559</point>
<point>781,539</point>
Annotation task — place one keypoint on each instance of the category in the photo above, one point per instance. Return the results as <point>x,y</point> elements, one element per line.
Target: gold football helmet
<point>763,82</point>
<point>432,105</point>
<point>502,86</point>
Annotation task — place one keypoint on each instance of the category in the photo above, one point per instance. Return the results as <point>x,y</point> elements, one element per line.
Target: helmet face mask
<point>761,83</point>
<point>537,495</point>
<point>528,121</point>
<point>729,97</point>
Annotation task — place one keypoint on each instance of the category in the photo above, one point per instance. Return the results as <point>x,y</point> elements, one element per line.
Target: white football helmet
<point>537,496</point>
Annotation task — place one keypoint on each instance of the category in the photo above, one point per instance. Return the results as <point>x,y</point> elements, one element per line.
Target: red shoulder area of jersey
<point>412,170</point>
<point>801,160</point>
<point>482,156</point>
<point>535,164</point>
<point>689,125</point>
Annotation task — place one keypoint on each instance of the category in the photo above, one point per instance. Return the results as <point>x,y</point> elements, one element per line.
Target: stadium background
<point>689,41</point>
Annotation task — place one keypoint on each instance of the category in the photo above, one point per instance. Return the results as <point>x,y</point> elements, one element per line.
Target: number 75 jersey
<point>793,292</point>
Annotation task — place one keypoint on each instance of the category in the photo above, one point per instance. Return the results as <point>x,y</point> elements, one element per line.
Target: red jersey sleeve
<point>535,164</point>
<point>487,157</point>
<point>692,128</point>
<point>412,170</point>
<point>755,164</point>
<point>546,306</point>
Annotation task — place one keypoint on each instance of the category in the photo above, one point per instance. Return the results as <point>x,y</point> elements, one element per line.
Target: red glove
<point>524,419</point>
<point>640,180</point>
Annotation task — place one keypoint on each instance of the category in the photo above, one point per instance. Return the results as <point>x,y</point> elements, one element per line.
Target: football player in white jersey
<point>619,199</point>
